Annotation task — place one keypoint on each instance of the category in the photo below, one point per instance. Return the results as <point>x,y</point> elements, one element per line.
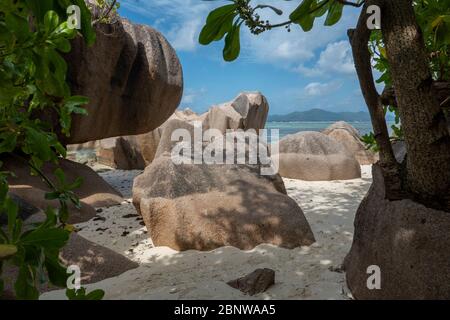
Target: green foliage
<point>226,21</point>
<point>370,142</point>
<point>33,35</point>
<point>81,294</point>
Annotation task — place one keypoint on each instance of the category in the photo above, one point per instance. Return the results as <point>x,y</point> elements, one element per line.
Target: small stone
<point>256,282</point>
<point>173,290</point>
<point>131,215</point>
<point>338,269</point>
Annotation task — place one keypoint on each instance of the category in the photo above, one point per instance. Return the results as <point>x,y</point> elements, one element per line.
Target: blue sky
<point>296,71</point>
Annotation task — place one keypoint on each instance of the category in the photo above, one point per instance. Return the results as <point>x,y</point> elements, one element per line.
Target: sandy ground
<point>302,273</point>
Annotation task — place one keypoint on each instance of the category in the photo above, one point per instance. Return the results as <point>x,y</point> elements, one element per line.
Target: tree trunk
<point>423,121</point>
<point>359,39</point>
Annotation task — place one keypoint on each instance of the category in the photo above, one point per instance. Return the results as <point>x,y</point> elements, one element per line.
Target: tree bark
<point>423,121</point>
<point>359,39</point>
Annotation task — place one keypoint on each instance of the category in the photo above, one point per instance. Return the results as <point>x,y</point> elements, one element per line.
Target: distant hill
<point>321,115</point>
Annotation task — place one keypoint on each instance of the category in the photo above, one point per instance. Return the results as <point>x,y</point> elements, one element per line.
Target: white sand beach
<point>302,273</point>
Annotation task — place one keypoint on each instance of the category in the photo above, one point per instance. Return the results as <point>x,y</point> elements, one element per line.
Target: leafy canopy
<point>33,37</point>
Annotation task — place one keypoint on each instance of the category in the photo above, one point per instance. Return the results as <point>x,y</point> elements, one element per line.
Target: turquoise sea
<point>296,126</point>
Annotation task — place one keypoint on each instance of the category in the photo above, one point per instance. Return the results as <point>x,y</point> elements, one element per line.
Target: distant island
<point>322,115</point>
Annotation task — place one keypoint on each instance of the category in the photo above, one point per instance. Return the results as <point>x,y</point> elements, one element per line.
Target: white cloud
<point>335,59</point>
<point>182,20</point>
<point>190,96</point>
<point>321,89</point>
<point>179,20</point>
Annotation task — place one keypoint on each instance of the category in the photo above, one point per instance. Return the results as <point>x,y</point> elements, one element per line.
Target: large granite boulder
<point>407,241</point>
<point>133,79</point>
<point>95,261</point>
<point>313,156</point>
<point>120,153</point>
<point>205,206</point>
<point>93,193</point>
<point>249,110</point>
<point>350,138</point>
<point>136,152</point>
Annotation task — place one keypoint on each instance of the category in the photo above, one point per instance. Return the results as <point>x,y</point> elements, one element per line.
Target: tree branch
<point>106,14</point>
<point>359,39</point>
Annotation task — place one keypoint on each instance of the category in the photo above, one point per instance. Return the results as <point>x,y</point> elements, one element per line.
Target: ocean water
<point>297,126</point>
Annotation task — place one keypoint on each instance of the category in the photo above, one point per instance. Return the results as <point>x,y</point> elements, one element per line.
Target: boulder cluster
<point>134,81</point>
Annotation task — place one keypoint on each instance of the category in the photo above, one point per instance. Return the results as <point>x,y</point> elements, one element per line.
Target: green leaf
<point>7,251</point>
<point>37,141</point>
<point>52,195</point>
<point>302,10</point>
<point>40,8</point>
<point>95,295</point>
<point>8,143</point>
<point>87,30</point>
<point>321,8</point>
<point>18,25</point>
<point>232,44</point>
<point>218,23</point>
<point>59,174</point>
<point>304,15</point>
<point>62,44</point>
<point>24,286</point>
<point>46,238</point>
<point>51,21</point>
<point>72,103</point>
<point>12,209</point>
<point>57,273</point>
<point>334,14</point>
<point>80,294</point>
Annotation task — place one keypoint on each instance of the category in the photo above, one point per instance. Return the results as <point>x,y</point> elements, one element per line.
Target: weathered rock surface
<point>247,111</point>
<point>205,206</point>
<point>94,192</point>
<point>313,156</point>
<point>208,206</point>
<point>133,79</point>
<point>138,151</point>
<point>350,138</point>
<point>256,282</point>
<point>407,241</point>
<point>25,209</point>
<point>95,261</point>
<point>120,153</point>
